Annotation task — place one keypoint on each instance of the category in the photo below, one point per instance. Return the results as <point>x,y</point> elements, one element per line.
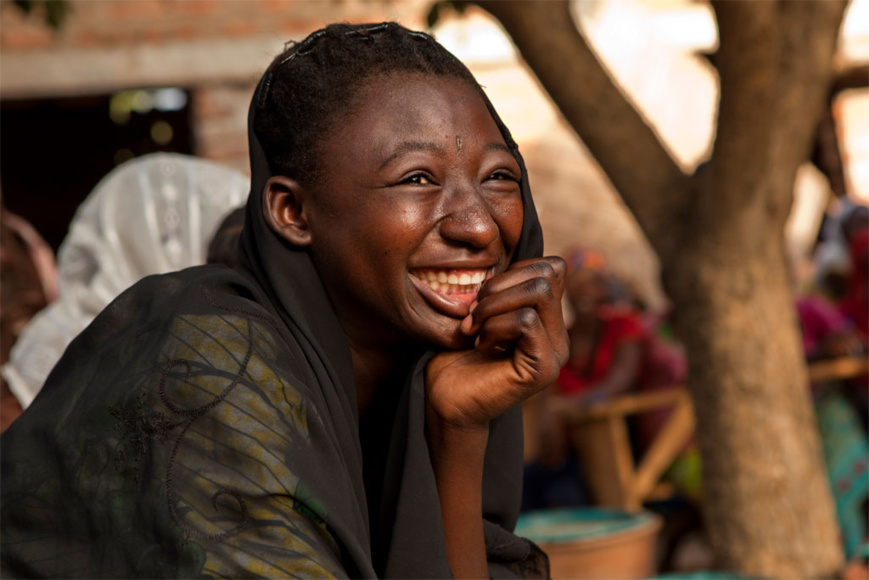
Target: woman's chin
<point>447,334</point>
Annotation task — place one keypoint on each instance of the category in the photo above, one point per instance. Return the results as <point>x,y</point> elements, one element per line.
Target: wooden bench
<point>600,436</point>
<point>839,368</point>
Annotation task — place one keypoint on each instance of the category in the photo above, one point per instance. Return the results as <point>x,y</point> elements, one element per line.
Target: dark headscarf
<point>237,387</point>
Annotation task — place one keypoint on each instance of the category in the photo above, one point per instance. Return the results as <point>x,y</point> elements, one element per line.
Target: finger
<point>503,330</point>
<point>535,293</point>
<point>551,268</point>
<point>534,358</point>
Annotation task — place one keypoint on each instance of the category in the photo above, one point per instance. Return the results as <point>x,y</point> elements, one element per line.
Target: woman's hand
<point>521,344</point>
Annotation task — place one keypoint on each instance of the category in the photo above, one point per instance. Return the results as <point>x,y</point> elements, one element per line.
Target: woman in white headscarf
<point>151,215</point>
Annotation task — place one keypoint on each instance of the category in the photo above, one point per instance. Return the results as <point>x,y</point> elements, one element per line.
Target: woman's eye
<point>503,176</point>
<point>419,179</point>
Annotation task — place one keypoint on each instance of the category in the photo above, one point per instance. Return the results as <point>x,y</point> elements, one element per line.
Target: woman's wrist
<point>451,429</point>
<point>457,454</point>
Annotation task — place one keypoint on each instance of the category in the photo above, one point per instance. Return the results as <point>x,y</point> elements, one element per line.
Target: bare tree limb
<point>747,60</point>
<point>627,148</point>
<point>854,77</point>
<point>774,63</point>
<point>809,33</point>
<point>826,154</point>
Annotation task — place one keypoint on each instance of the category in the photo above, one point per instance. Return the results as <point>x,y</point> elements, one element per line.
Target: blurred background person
<point>606,336</point>
<point>606,357</point>
<point>29,284</point>
<point>154,214</point>
<point>855,304</point>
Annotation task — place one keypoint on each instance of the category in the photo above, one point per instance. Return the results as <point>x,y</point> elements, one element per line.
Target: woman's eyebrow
<point>495,146</point>
<point>409,147</point>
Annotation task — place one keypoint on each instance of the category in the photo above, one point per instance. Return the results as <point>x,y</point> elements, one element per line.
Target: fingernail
<point>472,307</point>
<point>467,322</point>
<point>477,342</point>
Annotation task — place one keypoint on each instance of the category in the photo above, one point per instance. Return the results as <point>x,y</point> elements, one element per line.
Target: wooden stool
<point>600,436</point>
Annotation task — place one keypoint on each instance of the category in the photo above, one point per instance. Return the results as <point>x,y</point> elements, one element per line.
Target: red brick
<point>197,8</point>
<point>240,28</point>
<point>26,38</point>
<point>136,9</point>
<point>188,31</point>
<point>151,35</point>
<point>296,27</point>
<point>88,38</point>
<point>276,5</point>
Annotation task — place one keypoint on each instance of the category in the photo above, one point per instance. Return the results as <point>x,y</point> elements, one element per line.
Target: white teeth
<point>445,283</point>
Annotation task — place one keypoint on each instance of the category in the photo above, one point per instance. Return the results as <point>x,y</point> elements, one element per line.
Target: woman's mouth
<point>451,291</point>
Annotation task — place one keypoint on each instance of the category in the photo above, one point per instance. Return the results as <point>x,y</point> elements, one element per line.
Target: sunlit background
<point>122,79</point>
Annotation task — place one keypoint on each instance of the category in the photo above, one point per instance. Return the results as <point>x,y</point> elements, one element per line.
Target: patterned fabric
<point>579,257</point>
<point>618,326</point>
<point>182,469</point>
<point>818,319</point>
<point>846,451</point>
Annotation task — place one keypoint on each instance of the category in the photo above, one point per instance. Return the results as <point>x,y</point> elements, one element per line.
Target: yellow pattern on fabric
<point>230,485</point>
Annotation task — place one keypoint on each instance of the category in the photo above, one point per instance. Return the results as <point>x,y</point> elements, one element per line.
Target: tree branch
<point>854,77</point>
<point>627,148</point>
<point>810,31</point>
<point>747,61</point>
<point>774,61</point>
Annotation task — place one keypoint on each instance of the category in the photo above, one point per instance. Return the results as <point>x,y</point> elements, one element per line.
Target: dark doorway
<point>54,151</point>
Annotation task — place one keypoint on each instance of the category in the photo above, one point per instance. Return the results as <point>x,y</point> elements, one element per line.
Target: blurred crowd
<point>155,214</point>
<point>620,348</point>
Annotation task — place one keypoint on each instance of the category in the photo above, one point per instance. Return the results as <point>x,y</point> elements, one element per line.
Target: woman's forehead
<point>420,111</point>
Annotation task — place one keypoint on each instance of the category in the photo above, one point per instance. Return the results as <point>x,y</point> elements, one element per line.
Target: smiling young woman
<point>345,403</point>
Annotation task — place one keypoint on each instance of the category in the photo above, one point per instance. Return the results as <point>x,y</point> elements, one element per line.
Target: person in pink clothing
<point>826,333</point>
<point>607,342</point>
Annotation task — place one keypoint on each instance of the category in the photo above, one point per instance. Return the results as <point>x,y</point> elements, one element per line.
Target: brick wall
<point>117,23</point>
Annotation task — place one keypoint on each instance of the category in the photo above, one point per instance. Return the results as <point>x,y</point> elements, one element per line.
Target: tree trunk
<point>719,236</point>
<point>766,499</point>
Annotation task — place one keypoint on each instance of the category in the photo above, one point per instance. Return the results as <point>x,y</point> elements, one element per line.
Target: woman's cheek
<point>509,221</point>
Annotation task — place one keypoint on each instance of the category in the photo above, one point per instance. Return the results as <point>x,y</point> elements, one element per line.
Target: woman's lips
<point>450,291</point>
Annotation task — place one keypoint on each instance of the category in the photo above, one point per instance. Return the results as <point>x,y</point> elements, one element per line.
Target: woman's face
<point>417,202</point>
<point>586,291</point>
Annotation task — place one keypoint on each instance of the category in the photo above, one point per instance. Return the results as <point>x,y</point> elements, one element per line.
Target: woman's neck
<point>374,366</point>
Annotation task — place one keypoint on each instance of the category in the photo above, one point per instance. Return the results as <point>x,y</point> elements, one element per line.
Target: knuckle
<point>527,318</point>
<point>540,288</point>
<point>544,268</point>
<point>558,265</point>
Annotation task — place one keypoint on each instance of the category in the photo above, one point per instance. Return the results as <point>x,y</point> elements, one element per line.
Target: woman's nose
<point>469,220</point>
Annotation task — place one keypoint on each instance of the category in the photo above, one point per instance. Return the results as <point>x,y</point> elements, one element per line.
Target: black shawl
<point>205,424</point>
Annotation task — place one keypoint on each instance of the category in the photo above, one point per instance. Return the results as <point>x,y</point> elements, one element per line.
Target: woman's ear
<point>284,210</point>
